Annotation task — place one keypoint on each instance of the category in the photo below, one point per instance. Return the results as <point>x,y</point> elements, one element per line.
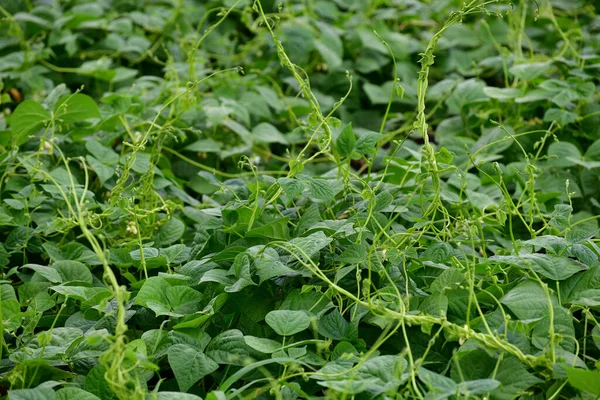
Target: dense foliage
<point>341,199</point>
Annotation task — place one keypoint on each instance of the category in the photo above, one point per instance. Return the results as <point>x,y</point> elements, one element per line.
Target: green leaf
<point>95,383</point>
<point>263,345</point>
<point>268,265</point>
<point>353,254</point>
<point>562,116</point>
<point>73,393</point>
<point>189,365</point>
<point>438,252</point>
<point>177,396</point>
<point>466,93</point>
<point>333,325</point>
<point>367,143</point>
<point>287,322</point>
<point>554,267</point>
<point>437,383</point>
<point>39,393</point>
<point>204,146</point>
<point>104,172</point>
<point>561,216</point>
<point>82,293</point>
<point>51,274</point>
<point>229,347</point>
<point>435,304</point>
<point>154,289</point>
<point>515,379</point>
<point>169,233</point>
<point>292,188</point>
<point>346,141</point>
<point>478,387</point>
<point>321,190</point>
<point>267,133</point>
<point>502,94</point>
<point>27,117</point>
<point>76,108</point>
<point>310,244</point>
<point>529,71</point>
<point>104,154</point>
<point>449,279</point>
<point>527,301</point>
<point>277,230</point>
<point>71,271</point>
<point>178,301</point>
<point>588,381</point>
<point>563,154</point>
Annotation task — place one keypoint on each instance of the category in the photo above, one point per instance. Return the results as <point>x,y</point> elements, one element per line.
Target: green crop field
<point>299,199</point>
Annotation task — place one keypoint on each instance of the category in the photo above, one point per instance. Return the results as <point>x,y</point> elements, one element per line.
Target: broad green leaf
<point>73,393</point>
<point>563,154</point>
<point>346,141</point>
<point>438,252</point>
<point>311,244</point>
<point>502,94</point>
<point>292,187</point>
<point>527,301</point>
<point>321,190</point>
<point>287,322</point>
<point>103,171</point>
<point>529,71</point>
<point>263,345</point>
<point>149,253</point>
<point>353,254</point>
<point>437,383</point>
<point>155,290</point>
<point>596,336</point>
<point>175,254</point>
<point>204,146</point>
<point>449,279</point>
<point>241,270</point>
<point>189,365</point>
<point>71,271</point>
<point>180,300</point>
<point>76,108</point>
<point>95,382</point>
<point>309,301</point>
<point>277,230</point>
<point>478,387</point>
<point>333,325</point>
<point>268,265</point>
<point>49,273</point>
<point>367,143</point>
<point>435,304</point>
<point>82,293</point>
<point>588,381</point>
<point>562,325</point>
<point>267,133</point>
<point>466,93</point>
<point>382,201</point>
<point>561,216</point>
<point>102,153</point>
<point>177,396</point>
<point>27,117</point>
<point>562,116</point>
<point>349,386</point>
<point>39,393</point>
<point>229,347</point>
<point>169,233</point>
<point>553,267</point>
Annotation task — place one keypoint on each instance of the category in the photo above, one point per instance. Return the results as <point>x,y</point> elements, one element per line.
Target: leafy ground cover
<point>341,199</point>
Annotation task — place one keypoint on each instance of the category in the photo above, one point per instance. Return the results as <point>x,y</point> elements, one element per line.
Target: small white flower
<point>132,228</point>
